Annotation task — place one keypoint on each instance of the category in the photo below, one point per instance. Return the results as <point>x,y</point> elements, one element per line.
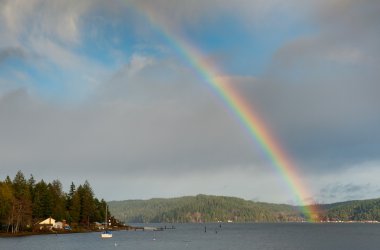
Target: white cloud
<point>50,35</point>
<point>60,19</point>
<point>137,63</point>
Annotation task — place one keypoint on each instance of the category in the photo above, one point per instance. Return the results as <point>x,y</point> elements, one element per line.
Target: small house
<point>58,225</point>
<point>47,224</point>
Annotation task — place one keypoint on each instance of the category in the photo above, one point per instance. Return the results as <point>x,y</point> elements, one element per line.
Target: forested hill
<point>201,208</point>
<point>206,208</point>
<point>358,210</point>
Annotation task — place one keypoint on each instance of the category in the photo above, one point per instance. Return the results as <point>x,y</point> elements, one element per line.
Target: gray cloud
<point>116,143</point>
<point>152,118</point>
<point>320,94</point>
<point>197,11</point>
<point>348,191</point>
<point>9,53</point>
<point>153,129</point>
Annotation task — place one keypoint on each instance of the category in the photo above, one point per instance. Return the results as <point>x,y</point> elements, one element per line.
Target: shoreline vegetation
<point>210,208</point>
<point>31,207</point>
<point>28,207</point>
<point>58,232</point>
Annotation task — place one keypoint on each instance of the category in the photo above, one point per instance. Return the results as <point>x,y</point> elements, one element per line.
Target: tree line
<point>208,208</point>
<point>25,202</point>
<point>202,208</point>
<point>359,210</point>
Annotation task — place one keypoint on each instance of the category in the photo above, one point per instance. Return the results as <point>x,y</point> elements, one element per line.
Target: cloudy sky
<point>95,90</point>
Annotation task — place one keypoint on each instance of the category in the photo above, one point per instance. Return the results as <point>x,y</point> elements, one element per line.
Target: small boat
<point>106,234</point>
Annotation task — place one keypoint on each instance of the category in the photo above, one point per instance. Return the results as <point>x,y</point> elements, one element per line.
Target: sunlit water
<point>228,236</point>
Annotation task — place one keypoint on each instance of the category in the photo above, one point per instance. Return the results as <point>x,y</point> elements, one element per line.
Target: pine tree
<point>75,207</point>
<point>58,200</point>
<point>87,203</point>
<point>21,208</point>
<point>42,203</point>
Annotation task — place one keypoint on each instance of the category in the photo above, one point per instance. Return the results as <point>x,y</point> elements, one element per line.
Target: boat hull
<point>106,235</point>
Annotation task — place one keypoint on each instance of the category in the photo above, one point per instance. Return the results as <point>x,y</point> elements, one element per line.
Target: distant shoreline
<point>24,234</point>
<point>134,228</point>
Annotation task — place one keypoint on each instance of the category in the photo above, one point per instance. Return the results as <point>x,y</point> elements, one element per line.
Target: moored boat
<point>106,234</point>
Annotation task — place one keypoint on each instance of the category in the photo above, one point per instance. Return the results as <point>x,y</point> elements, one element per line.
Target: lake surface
<point>284,236</point>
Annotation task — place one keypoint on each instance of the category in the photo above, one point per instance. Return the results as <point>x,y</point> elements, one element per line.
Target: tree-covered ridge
<point>25,202</point>
<point>207,208</point>
<point>202,208</point>
<point>359,210</point>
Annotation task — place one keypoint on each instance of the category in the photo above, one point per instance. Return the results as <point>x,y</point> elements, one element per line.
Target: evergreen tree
<point>75,208</point>
<point>58,199</point>
<point>25,202</point>
<point>69,196</point>
<point>31,185</point>
<point>87,203</point>
<point>21,207</point>
<point>42,203</point>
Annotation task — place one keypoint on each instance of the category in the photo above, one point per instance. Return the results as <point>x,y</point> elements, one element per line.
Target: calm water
<point>229,236</point>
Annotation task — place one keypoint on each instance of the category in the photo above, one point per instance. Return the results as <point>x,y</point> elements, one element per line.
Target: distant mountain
<point>202,208</point>
<point>207,208</point>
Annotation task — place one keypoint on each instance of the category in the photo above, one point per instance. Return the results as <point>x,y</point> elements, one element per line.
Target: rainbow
<point>247,116</point>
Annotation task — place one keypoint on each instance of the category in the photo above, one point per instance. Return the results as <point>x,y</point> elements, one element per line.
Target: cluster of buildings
<point>52,224</point>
